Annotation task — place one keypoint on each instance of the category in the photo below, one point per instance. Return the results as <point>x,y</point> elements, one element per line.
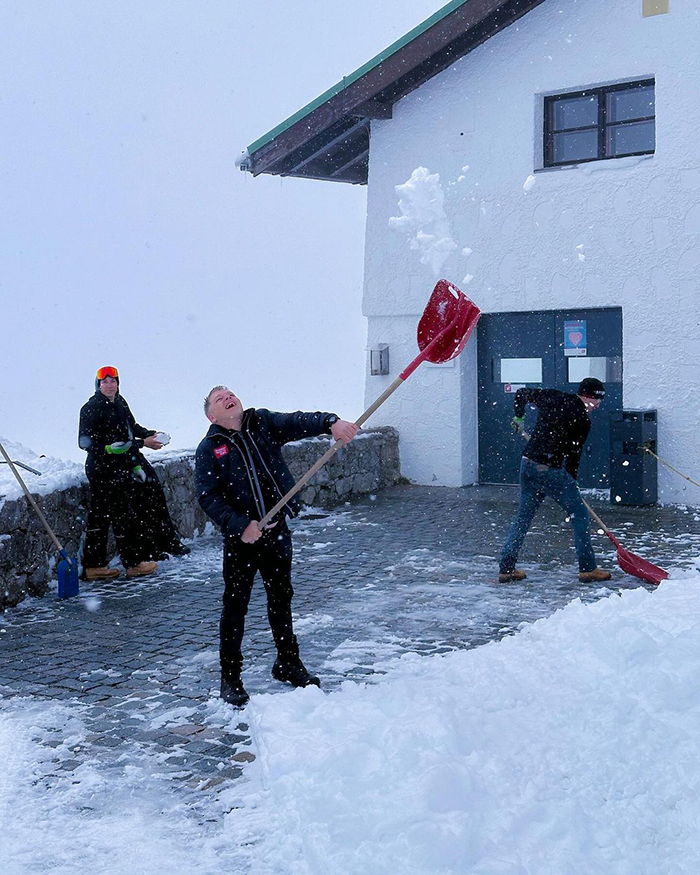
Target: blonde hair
<point>207,400</point>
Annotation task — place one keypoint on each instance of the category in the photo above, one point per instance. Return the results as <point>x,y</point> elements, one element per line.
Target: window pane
<point>521,370</point>
<point>575,146</point>
<point>608,370</point>
<point>629,104</point>
<point>582,367</point>
<point>625,139</point>
<point>576,112</point>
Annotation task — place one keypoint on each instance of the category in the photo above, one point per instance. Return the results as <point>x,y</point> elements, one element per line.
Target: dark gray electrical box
<point>633,473</point>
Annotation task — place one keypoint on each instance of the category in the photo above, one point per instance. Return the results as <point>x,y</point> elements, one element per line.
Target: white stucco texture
<point>620,233</point>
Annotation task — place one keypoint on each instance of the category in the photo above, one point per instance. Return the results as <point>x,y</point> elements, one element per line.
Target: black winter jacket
<point>561,429</point>
<point>104,422</point>
<point>238,473</point>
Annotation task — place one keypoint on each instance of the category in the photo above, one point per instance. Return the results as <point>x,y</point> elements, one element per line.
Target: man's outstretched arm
<point>287,427</point>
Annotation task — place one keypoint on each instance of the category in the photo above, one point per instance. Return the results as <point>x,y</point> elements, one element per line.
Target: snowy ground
<point>567,744</point>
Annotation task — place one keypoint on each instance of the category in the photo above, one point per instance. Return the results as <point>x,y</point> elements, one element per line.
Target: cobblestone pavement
<point>411,569</point>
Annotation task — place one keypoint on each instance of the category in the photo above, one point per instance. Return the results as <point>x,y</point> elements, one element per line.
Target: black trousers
<point>271,555</point>
<point>110,503</point>
<point>137,513</point>
<point>155,529</point>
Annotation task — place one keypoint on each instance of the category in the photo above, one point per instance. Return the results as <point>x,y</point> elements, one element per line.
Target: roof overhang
<point>329,138</point>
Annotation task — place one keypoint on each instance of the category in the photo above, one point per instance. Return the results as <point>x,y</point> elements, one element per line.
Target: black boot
<point>179,549</point>
<point>289,667</point>
<point>294,672</point>
<point>233,692</point>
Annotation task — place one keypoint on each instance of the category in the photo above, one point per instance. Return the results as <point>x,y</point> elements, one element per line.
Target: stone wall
<point>27,557</point>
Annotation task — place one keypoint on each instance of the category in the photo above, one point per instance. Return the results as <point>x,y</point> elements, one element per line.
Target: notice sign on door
<point>575,337</point>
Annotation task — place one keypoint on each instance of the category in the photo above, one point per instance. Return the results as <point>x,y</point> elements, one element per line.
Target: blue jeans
<point>536,483</point>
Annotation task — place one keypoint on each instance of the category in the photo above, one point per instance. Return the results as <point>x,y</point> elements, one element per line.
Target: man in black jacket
<point>240,475</point>
<point>124,488</point>
<point>549,467</point>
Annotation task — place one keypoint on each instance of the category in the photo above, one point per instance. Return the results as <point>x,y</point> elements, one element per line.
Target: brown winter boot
<point>509,576</point>
<point>101,573</point>
<point>141,569</point>
<point>594,576</point>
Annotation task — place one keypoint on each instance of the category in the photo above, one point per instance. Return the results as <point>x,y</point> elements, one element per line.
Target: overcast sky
<point>127,235</point>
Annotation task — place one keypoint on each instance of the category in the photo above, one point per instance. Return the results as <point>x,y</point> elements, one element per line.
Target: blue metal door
<point>545,349</point>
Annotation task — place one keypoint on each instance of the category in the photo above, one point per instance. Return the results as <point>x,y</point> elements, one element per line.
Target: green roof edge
<point>353,77</point>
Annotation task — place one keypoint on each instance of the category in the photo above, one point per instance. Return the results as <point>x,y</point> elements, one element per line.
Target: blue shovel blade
<point>67,570</point>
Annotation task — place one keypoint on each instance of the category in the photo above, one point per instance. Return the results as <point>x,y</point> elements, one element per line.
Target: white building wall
<point>638,221</point>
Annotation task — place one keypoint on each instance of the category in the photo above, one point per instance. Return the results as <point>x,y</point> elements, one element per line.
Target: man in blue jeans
<point>549,467</point>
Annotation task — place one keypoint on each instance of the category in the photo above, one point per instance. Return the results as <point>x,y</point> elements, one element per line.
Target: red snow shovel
<point>628,562</point>
<point>444,328</point>
<point>67,568</point>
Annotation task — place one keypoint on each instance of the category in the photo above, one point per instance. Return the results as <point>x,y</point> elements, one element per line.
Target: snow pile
<point>55,473</point>
<point>571,747</point>
<point>422,206</point>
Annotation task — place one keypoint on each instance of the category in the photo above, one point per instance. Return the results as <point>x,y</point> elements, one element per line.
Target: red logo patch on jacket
<point>221,451</point>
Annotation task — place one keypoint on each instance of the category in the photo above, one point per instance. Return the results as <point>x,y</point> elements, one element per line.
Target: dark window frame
<point>602,125</point>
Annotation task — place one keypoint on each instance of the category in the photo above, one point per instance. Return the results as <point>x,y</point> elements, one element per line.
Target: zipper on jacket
<point>269,473</point>
<point>250,471</point>
<point>254,472</point>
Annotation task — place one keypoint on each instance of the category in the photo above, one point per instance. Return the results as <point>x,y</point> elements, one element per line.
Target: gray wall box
<point>655,7</point>
<point>379,360</point>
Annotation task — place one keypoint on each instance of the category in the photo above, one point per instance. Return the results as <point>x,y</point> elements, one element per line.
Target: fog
<point>130,238</point>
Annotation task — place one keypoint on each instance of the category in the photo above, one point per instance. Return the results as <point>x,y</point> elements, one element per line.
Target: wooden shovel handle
<point>327,455</point>
<point>379,401</point>
<point>586,504</point>
<point>596,517</point>
<point>33,503</point>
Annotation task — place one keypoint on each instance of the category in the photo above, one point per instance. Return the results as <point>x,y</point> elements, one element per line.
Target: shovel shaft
<point>596,517</point>
<point>590,510</point>
<point>330,452</point>
<point>404,375</point>
<point>31,500</point>
<point>425,353</point>
<point>379,401</point>
<point>26,467</point>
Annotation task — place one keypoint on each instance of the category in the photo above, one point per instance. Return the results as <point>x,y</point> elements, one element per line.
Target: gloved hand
<point>118,448</point>
<point>138,474</point>
<point>516,424</point>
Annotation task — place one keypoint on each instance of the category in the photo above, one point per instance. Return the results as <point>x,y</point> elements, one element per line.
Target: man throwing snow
<point>549,467</point>
<point>240,475</point>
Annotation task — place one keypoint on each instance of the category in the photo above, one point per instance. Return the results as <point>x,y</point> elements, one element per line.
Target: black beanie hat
<point>591,388</point>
